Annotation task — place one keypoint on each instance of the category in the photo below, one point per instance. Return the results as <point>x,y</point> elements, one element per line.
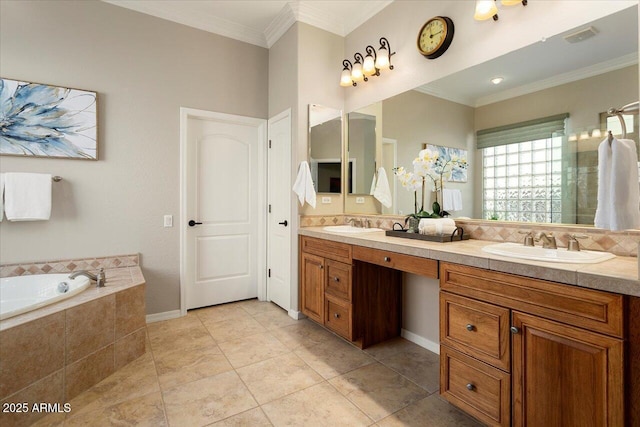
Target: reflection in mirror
<point>325,148</point>
<point>542,80</point>
<point>362,152</point>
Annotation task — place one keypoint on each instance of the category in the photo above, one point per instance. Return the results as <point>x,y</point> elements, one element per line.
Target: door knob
<point>285,223</point>
<point>193,223</point>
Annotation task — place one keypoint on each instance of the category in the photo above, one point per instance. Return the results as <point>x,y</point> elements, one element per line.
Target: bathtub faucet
<point>99,278</point>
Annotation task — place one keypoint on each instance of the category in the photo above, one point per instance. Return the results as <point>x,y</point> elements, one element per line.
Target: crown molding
<point>458,99</point>
<point>280,24</point>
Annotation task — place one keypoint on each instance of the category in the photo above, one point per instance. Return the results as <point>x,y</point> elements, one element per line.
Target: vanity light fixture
<point>486,9</point>
<point>370,65</point>
<point>596,133</point>
<point>514,2</point>
<point>573,137</point>
<point>583,135</point>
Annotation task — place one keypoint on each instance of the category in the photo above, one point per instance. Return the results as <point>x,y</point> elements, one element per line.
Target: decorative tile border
<point>622,243</point>
<point>67,266</point>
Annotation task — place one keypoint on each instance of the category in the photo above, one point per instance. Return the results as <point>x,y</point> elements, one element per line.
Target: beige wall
<point>144,69</point>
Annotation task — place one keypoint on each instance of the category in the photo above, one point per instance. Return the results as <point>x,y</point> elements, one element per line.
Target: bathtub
<point>21,294</point>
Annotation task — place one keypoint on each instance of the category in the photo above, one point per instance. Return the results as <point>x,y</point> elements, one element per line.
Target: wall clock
<point>435,36</point>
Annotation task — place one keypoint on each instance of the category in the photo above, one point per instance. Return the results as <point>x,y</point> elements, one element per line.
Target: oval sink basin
<point>348,229</point>
<point>536,253</point>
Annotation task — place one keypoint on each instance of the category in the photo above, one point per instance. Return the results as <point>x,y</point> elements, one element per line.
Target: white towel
<point>451,200</point>
<point>618,192</point>
<point>27,196</point>
<point>373,185</point>
<point>1,196</point>
<point>303,186</point>
<point>382,192</point>
<point>436,226</point>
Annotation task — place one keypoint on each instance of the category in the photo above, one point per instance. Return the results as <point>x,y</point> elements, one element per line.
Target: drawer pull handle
<point>514,330</point>
<point>336,315</point>
<point>387,259</point>
<point>471,387</point>
<point>470,327</point>
<point>336,279</point>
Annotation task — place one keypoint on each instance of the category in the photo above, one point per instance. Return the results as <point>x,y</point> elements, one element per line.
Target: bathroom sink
<point>348,229</point>
<point>536,253</point>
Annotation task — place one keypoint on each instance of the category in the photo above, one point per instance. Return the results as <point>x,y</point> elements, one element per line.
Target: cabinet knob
<point>514,330</point>
<point>471,387</point>
<point>470,327</point>
<point>321,266</point>
<point>336,315</point>
<point>387,259</point>
<point>336,279</point>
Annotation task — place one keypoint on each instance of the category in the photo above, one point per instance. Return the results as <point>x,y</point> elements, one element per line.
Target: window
<point>522,170</point>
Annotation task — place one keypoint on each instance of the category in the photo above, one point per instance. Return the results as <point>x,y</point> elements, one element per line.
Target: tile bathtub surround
<point>58,356</point>
<point>200,371</point>
<point>622,243</point>
<point>69,265</point>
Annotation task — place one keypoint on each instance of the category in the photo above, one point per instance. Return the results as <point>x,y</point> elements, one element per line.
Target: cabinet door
<point>564,376</point>
<point>312,295</point>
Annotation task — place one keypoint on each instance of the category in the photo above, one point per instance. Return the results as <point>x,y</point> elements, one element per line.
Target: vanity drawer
<point>338,280</point>
<point>590,309</point>
<point>407,263</point>
<point>337,316</point>
<point>326,248</point>
<point>475,328</point>
<point>478,389</point>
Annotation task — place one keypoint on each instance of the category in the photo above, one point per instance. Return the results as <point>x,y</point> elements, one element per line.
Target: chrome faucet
<point>548,241</point>
<point>99,278</point>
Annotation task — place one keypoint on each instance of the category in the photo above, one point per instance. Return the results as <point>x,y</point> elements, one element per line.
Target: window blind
<point>531,130</point>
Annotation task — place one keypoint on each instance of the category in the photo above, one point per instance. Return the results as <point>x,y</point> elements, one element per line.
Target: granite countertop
<point>619,275</point>
<point>118,279</point>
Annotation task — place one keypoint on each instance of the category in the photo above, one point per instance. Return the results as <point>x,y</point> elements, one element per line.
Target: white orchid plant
<point>428,164</point>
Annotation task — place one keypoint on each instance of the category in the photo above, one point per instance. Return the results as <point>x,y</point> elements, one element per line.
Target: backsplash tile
<point>68,266</point>
<point>622,243</point>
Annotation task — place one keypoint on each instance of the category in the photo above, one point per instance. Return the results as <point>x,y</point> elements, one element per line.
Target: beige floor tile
<point>254,307</point>
<point>233,329</point>
<point>141,411</point>
<point>429,412</point>
<point>136,379</point>
<point>377,390</point>
<point>207,400</point>
<point>418,364</point>
<point>275,319</point>
<point>218,313</point>
<point>180,366</point>
<point>390,348</point>
<point>277,377</point>
<point>334,357</point>
<point>181,323</point>
<point>197,336</point>
<point>319,405</point>
<point>50,420</point>
<point>303,333</point>
<point>253,418</point>
<point>252,349</point>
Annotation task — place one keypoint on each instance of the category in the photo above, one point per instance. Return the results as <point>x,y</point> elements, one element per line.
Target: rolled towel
<point>441,225</point>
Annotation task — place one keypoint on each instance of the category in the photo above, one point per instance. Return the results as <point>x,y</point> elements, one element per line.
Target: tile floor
<point>249,364</point>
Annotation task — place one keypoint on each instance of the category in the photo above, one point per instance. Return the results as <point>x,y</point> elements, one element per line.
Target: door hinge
<point>269,273</point>
<point>269,143</point>
<point>269,208</point>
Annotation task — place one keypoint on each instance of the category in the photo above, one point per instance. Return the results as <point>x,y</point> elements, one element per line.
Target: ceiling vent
<point>581,35</point>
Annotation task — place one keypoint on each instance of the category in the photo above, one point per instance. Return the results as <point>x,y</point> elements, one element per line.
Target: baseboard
<point>295,314</point>
<point>421,341</point>
<point>167,315</point>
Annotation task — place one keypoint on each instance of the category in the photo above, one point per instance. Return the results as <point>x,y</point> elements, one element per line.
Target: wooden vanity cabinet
<point>563,355</point>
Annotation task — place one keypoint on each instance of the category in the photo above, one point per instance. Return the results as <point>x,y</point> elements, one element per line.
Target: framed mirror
<point>325,148</point>
<point>547,78</point>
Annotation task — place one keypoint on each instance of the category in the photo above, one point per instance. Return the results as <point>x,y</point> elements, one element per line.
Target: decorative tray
<point>456,236</point>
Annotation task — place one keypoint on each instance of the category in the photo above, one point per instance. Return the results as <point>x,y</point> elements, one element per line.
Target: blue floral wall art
<point>459,167</point>
<point>39,120</point>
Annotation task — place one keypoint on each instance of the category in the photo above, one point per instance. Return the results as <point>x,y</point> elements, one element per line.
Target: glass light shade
<point>382,60</point>
<point>584,135</point>
<point>511,2</point>
<point>356,72</point>
<point>485,9</point>
<point>368,67</point>
<point>596,133</point>
<point>345,78</point>
<point>573,137</point>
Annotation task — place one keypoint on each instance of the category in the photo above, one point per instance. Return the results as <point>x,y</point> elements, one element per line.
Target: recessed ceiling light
<point>497,80</point>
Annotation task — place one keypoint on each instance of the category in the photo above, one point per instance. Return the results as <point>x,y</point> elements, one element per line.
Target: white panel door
<point>222,183</point>
<point>279,217</point>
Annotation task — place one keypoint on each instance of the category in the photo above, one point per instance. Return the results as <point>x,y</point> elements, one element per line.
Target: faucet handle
<point>528,238</point>
<point>573,244</point>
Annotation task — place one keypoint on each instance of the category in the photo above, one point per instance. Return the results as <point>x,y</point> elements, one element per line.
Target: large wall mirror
<point>325,148</point>
<point>520,182</point>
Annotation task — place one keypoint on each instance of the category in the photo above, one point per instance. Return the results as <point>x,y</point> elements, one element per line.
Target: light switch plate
<point>326,200</point>
<point>168,220</point>
<point>359,199</point>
